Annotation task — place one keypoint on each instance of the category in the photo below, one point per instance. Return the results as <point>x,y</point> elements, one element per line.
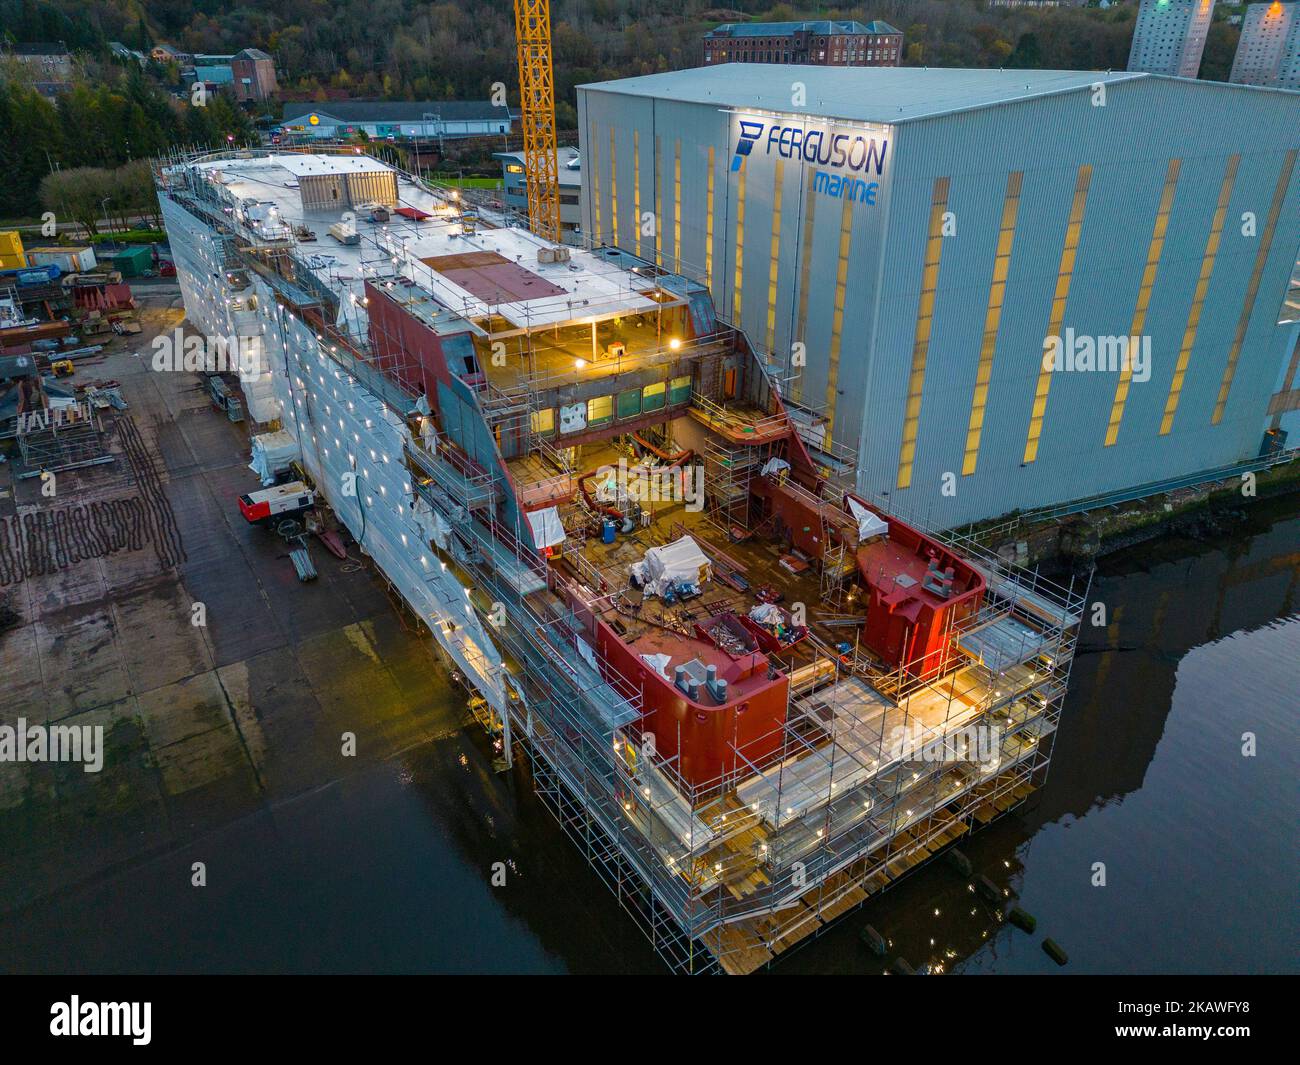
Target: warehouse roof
<point>862,94</point>
<point>823,27</point>
<point>397,110</point>
<point>38,48</point>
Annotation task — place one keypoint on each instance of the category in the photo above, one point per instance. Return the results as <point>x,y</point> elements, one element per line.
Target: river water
<point>391,868</point>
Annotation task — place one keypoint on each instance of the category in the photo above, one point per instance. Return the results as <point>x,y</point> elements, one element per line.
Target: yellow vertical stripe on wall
<point>992,320</point>
<point>708,225</point>
<point>740,248</point>
<point>595,186</point>
<point>778,183</point>
<point>921,342</point>
<point>1252,290</point>
<point>1138,326</point>
<point>613,189</point>
<point>1198,298</point>
<point>677,206</point>
<point>837,318</point>
<point>1059,299</point>
<point>636,189</point>
<point>659,202</point>
<point>805,266</point>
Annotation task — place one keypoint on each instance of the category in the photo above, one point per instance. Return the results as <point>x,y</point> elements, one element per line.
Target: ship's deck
<point>739,570</point>
<point>842,771</point>
<point>522,293</point>
<point>551,358</point>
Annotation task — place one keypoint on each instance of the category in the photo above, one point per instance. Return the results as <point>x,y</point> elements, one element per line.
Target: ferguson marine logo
<point>852,154</point>
<point>845,187</point>
<point>749,133</point>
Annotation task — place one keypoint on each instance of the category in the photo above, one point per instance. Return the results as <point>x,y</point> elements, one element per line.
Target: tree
<point>1027,55</point>
<point>1220,49</point>
<point>77,195</point>
<point>33,140</point>
<point>141,38</point>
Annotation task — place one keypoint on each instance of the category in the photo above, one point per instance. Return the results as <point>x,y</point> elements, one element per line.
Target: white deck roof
<point>592,287</point>
<point>309,165</point>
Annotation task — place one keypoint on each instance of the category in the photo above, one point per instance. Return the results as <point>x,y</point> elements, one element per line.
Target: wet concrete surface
<point>205,724</point>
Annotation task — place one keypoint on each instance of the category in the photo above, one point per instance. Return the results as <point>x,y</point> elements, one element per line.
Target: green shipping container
<point>133,262</point>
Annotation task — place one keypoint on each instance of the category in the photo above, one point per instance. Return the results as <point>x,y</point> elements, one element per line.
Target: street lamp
<point>104,204</point>
<point>437,119</point>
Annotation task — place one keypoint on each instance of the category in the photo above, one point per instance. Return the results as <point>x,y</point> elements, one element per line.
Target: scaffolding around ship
<point>869,774</point>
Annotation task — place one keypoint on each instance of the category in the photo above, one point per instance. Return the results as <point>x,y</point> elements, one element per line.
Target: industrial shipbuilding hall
<point>903,241</point>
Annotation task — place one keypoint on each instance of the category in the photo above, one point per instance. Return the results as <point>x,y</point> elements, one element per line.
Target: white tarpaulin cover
<point>272,452</point>
<point>682,560</point>
<point>588,653</point>
<point>260,399</point>
<point>431,525</point>
<point>659,663</point>
<point>774,466</point>
<point>548,530</point>
<point>869,524</point>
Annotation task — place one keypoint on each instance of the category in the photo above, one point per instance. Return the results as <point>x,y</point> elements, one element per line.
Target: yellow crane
<point>537,113</point>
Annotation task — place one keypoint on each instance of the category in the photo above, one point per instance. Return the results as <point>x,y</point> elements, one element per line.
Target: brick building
<point>823,42</point>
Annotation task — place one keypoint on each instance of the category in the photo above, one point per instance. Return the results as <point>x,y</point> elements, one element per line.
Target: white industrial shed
<point>904,241</point>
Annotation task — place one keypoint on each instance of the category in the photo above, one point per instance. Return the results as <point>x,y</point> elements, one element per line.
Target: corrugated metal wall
<point>1128,142</point>
<point>344,191</point>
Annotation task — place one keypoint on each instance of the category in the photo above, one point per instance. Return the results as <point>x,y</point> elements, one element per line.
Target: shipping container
<point>70,260</point>
<point>11,251</point>
<point>134,262</point>
<point>38,275</point>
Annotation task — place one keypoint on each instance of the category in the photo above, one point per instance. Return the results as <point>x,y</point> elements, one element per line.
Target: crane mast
<point>537,106</point>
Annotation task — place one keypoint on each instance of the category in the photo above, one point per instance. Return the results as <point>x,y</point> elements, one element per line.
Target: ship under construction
<point>752,697</point>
